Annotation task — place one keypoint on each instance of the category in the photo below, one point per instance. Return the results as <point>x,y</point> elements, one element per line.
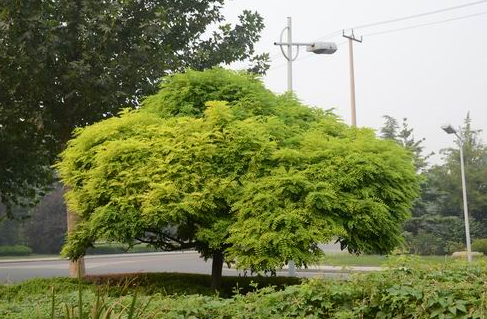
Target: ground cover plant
<point>33,298</point>
<point>409,290</point>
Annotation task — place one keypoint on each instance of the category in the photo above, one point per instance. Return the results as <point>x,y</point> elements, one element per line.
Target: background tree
<point>389,129</point>
<point>69,63</point>
<point>446,178</point>
<point>437,225</point>
<point>10,231</point>
<point>45,230</point>
<point>405,137</point>
<point>218,163</point>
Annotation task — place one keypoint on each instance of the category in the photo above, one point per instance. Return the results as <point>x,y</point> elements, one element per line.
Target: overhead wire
<point>413,16</point>
<point>333,34</point>
<point>424,24</point>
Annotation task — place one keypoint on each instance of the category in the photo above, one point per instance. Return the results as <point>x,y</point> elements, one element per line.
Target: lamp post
<point>315,47</point>
<point>450,130</point>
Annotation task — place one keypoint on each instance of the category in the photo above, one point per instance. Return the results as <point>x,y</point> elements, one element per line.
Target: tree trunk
<point>76,267</point>
<point>216,269</point>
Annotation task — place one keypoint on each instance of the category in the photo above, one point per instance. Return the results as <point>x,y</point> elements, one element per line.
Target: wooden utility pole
<point>352,38</point>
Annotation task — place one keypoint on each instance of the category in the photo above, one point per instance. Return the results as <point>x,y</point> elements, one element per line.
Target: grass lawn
<point>346,259</point>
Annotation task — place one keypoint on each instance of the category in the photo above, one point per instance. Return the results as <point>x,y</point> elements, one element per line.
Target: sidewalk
<point>340,269</point>
<point>20,260</point>
<point>332,269</point>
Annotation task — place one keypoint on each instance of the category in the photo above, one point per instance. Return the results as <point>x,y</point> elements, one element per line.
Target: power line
<point>424,24</point>
<point>393,30</point>
<point>418,15</point>
<point>330,35</point>
<point>338,32</point>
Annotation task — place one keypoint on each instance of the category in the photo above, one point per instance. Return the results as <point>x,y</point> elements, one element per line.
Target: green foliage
<point>67,64</point>
<point>45,229</point>
<point>433,235</point>
<point>454,291</point>
<point>11,232</point>
<point>17,250</point>
<point>480,245</point>
<point>41,228</point>
<point>260,178</point>
<point>405,137</point>
<point>186,94</point>
<point>437,226</point>
<point>446,178</point>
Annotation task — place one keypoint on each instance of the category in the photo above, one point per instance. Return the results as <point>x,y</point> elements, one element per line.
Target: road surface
<point>184,262</point>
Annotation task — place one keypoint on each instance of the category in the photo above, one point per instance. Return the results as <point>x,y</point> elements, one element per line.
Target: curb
<point>333,269</point>
<point>7,261</point>
<point>338,269</point>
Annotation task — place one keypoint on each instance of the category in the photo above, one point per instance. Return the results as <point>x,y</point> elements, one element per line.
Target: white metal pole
<point>291,266</point>
<point>465,205</point>
<point>289,56</point>
<point>352,83</point>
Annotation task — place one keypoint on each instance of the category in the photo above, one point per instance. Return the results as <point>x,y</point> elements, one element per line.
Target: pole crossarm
<point>352,37</point>
<point>296,43</point>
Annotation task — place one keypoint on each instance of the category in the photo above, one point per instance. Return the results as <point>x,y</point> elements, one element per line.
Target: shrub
<point>424,243</point>
<point>454,291</point>
<point>480,245</point>
<point>17,250</point>
<point>452,247</point>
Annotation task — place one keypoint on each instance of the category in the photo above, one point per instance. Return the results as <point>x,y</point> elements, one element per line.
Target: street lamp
<point>450,130</point>
<point>315,47</point>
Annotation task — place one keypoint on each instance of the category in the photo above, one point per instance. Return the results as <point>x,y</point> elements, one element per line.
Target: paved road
<point>185,262</point>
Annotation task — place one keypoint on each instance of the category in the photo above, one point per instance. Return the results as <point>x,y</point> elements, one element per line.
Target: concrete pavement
<point>14,271</point>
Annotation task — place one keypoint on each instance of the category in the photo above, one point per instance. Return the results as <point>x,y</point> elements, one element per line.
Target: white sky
<point>432,75</point>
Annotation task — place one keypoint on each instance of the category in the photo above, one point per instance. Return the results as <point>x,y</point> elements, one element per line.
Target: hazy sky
<point>432,75</point>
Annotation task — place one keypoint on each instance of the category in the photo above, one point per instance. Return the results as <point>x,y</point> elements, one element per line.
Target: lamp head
<point>449,129</point>
<point>322,48</point>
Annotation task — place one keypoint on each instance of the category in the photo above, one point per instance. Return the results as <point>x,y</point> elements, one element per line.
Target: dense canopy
<point>217,162</point>
<point>70,63</point>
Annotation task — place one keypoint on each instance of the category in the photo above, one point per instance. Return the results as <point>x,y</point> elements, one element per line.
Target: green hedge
<point>480,245</point>
<point>17,250</point>
<point>453,291</point>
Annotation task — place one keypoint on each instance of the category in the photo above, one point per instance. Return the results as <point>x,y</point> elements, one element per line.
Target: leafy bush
<point>424,243</point>
<point>17,250</point>
<point>452,247</point>
<point>480,245</point>
<point>453,291</point>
